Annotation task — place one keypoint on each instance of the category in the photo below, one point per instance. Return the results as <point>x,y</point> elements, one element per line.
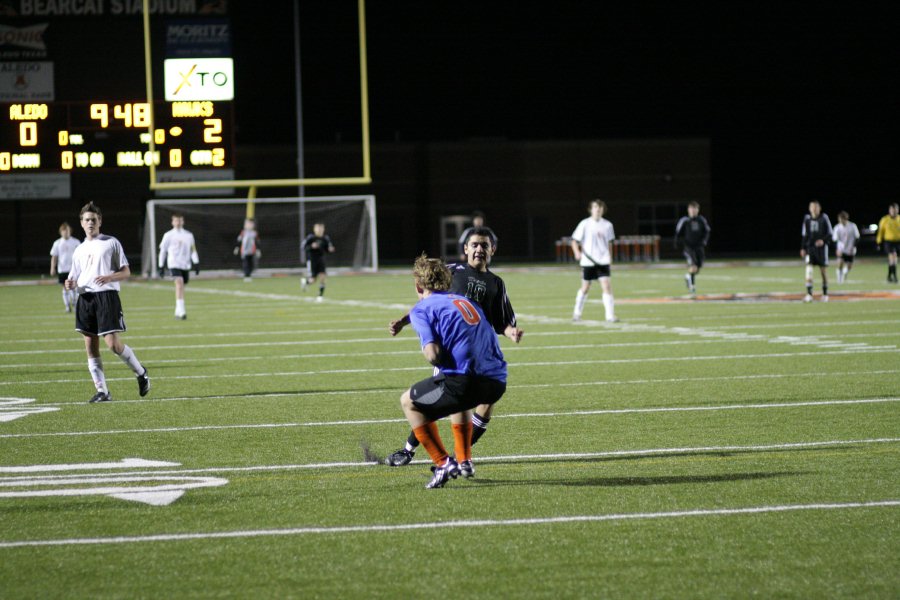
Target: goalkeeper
<point>473,280</point>
<point>178,251</point>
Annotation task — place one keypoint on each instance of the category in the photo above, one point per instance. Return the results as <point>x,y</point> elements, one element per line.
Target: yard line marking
<point>506,350</point>
<point>607,328</point>
<point>517,457</point>
<point>253,533</point>
<point>511,387</point>
<point>548,363</point>
<point>125,463</point>
<point>220,334</point>
<point>604,411</point>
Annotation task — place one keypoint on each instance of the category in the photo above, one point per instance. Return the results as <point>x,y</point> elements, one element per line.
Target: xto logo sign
<point>199,79</point>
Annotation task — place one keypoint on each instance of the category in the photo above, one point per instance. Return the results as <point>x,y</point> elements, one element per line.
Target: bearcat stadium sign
<point>77,8</point>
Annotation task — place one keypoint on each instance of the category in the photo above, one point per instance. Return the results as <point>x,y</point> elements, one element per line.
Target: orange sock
<point>429,437</point>
<point>462,440</point>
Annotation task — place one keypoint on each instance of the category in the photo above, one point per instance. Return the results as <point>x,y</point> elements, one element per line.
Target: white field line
<point>581,413</point>
<point>508,350</point>
<point>456,524</point>
<point>394,390</point>
<point>653,452</point>
<point>550,363</point>
<point>604,327</point>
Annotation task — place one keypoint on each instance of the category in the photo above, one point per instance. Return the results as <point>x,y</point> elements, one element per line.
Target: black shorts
<point>61,278</point>
<point>315,266</point>
<point>694,256</point>
<point>817,256</point>
<point>183,273</point>
<point>594,272</point>
<point>847,258</point>
<point>99,313</point>
<point>891,247</point>
<point>443,395</point>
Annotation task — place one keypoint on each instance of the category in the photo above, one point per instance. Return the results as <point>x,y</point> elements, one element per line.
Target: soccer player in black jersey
<point>316,245</point>
<point>692,233</point>
<point>816,234</point>
<point>473,280</point>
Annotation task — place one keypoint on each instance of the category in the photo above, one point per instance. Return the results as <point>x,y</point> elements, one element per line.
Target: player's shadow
<point>642,481</point>
<point>624,457</point>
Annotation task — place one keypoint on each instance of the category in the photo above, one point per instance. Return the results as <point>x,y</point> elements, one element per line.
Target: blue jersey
<point>468,343</point>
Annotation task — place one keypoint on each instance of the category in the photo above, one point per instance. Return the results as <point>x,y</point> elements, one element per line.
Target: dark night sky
<point>798,98</point>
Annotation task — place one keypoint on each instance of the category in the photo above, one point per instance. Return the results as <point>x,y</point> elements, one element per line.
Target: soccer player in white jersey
<point>61,262</point>
<point>178,251</point>
<point>845,235</point>
<point>590,245</point>
<point>98,265</point>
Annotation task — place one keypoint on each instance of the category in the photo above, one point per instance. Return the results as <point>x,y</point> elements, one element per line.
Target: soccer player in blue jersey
<point>469,369</point>
<point>476,282</point>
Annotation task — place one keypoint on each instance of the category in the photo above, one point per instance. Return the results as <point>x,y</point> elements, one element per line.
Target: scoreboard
<point>89,136</point>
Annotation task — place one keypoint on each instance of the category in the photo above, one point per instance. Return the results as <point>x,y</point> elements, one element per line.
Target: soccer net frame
<point>350,221</point>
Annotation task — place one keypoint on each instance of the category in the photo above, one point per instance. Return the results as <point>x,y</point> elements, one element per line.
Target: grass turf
<point>698,448</point>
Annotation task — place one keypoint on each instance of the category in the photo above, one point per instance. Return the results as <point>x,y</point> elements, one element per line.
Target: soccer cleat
<point>101,397</point>
<point>181,317</point>
<point>400,458</point>
<point>466,469</point>
<point>143,383</point>
<point>318,298</point>
<point>443,474</point>
<point>613,320</point>
<point>68,308</point>
<point>825,298</point>
<point>808,298</point>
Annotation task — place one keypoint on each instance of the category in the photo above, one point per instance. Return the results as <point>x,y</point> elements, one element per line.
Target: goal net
<point>282,224</point>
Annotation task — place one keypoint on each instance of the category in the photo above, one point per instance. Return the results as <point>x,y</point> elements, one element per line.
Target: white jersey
<point>595,238</point>
<point>94,258</point>
<point>63,249</point>
<point>178,249</point>
<point>846,237</point>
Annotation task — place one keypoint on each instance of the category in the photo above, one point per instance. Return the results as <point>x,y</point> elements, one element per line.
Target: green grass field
<point>704,449</point>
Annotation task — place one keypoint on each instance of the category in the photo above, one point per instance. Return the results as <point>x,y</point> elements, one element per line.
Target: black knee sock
<point>824,289</point>
<point>479,426</point>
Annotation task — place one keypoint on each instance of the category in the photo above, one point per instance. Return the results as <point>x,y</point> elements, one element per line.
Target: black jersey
<point>692,231</point>
<point>815,229</point>
<point>488,290</point>
<point>316,253</point>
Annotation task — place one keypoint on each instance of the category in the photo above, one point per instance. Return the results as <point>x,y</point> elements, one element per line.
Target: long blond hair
<point>431,274</point>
